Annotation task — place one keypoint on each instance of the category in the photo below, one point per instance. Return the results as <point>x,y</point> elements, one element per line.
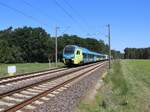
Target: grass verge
<point>27,67</point>
<point>126,88</point>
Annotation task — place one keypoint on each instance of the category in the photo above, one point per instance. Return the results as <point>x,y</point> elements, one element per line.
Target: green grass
<point>126,89</point>
<point>27,67</point>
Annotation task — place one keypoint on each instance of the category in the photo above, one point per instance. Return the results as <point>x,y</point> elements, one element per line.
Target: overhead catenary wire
<point>101,32</point>
<point>68,14</point>
<point>68,27</point>
<point>65,11</point>
<point>83,19</point>
<point>43,13</point>
<point>77,14</point>
<point>39,10</point>
<point>22,13</point>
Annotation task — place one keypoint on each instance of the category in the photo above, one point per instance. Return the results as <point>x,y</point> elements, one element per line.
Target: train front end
<point>69,54</point>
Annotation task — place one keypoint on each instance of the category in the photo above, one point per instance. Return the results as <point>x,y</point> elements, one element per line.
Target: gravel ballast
<point>66,98</point>
<point>23,83</point>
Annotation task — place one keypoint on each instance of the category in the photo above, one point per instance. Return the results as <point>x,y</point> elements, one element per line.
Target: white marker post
<point>11,70</point>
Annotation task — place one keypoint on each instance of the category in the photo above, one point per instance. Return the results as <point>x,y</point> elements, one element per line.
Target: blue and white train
<point>75,55</point>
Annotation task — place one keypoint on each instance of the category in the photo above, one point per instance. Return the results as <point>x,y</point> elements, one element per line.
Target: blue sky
<point>129,19</point>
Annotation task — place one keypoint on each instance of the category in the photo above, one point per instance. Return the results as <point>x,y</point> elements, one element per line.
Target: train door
<point>95,58</point>
<point>79,57</point>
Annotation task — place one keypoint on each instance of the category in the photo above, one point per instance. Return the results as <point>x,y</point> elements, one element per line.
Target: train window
<point>85,55</point>
<point>69,50</point>
<point>78,52</point>
<point>92,56</point>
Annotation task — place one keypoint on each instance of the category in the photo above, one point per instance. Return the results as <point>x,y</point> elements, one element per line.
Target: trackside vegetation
<point>30,45</point>
<point>137,53</point>
<point>126,88</point>
<point>27,67</point>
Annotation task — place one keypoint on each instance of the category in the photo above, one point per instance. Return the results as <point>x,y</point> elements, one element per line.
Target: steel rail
<point>27,76</point>
<point>42,94</point>
<point>29,73</point>
<point>9,79</point>
<point>43,81</point>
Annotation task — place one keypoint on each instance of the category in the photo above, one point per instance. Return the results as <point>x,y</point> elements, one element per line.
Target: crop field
<point>27,67</point>
<point>126,88</point>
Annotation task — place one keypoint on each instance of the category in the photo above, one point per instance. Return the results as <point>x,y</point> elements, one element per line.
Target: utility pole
<point>56,31</point>
<point>109,45</point>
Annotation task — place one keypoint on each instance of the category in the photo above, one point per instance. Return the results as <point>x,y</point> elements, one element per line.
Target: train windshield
<point>69,50</point>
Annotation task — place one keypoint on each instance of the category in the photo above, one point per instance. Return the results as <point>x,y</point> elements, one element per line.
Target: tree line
<point>27,44</point>
<point>137,53</point>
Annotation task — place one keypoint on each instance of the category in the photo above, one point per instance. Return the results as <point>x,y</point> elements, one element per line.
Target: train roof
<point>84,50</point>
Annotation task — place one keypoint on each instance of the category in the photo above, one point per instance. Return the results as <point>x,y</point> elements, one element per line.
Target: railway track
<point>20,98</point>
<point>8,85</point>
<point>11,79</point>
<point>8,79</point>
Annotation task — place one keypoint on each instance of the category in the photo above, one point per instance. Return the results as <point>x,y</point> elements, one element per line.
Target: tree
<point>29,44</point>
<point>9,54</point>
<point>137,53</point>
